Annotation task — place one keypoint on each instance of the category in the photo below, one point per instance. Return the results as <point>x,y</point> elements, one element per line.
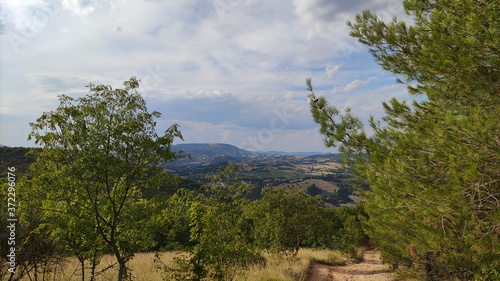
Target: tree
<point>347,227</point>
<point>433,167</point>
<point>99,152</point>
<point>285,218</point>
<point>221,227</point>
<point>170,218</point>
<point>28,249</point>
<point>313,190</point>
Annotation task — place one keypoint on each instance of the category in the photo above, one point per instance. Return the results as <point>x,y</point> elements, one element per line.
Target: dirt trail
<point>370,269</point>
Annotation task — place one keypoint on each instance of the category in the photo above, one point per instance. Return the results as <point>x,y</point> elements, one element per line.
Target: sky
<point>226,71</point>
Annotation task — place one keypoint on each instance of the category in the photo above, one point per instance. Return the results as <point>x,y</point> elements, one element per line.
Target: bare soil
<point>371,268</point>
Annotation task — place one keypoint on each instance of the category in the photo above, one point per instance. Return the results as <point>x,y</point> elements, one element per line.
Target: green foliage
<point>313,190</point>
<point>221,228</point>
<point>36,252</point>
<point>170,219</point>
<point>348,232</point>
<point>285,218</point>
<point>185,268</point>
<point>99,152</point>
<point>433,168</point>
<point>15,157</point>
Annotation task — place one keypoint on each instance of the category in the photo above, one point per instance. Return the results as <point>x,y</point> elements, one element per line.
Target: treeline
<point>218,227</point>
<point>15,157</point>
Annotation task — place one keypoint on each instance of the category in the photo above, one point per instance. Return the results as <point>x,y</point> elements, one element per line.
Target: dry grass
<point>290,268</point>
<point>143,267</point>
<point>324,166</point>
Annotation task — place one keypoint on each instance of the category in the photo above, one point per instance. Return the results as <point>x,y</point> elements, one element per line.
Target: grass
<point>289,268</point>
<point>144,266</point>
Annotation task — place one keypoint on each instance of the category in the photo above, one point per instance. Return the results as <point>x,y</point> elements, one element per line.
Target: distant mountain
<point>203,154</point>
<point>210,149</point>
<point>294,153</point>
<point>222,149</point>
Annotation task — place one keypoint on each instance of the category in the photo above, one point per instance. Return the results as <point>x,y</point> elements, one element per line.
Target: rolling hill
<point>322,175</point>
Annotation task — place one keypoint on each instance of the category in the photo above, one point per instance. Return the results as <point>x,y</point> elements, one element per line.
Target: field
<point>326,172</point>
<point>149,266</point>
<point>321,184</point>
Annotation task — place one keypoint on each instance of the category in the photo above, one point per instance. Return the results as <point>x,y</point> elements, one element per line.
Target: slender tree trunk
<point>82,261</point>
<point>36,270</point>
<point>297,246</point>
<point>122,272</point>
<point>94,264</point>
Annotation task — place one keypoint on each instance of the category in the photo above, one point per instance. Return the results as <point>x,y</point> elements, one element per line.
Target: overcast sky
<point>228,71</point>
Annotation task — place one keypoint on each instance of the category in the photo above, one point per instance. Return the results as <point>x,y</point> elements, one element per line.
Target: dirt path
<point>370,269</point>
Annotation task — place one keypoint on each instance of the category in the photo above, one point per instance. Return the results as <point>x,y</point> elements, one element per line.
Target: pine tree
<point>433,166</point>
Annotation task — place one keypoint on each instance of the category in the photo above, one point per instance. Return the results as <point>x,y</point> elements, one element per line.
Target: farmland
<point>321,174</point>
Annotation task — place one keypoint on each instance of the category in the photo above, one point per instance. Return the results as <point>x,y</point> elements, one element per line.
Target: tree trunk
<point>122,272</point>
<point>297,247</point>
<point>94,264</point>
<point>82,261</point>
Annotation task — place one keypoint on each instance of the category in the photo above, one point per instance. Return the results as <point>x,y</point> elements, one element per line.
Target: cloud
<point>225,135</point>
<point>79,7</point>
<point>326,11</point>
<point>246,111</point>
<point>353,86</point>
<point>325,21</point>
<point>264,139</point>
<point>331,70</point>
<point>26,18</point>
<point>229,69</point>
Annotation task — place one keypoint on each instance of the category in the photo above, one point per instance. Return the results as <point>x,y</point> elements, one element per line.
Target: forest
<point>432,167</point>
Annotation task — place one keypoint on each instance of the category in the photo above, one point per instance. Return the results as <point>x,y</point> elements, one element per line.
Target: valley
<point>322,174</point>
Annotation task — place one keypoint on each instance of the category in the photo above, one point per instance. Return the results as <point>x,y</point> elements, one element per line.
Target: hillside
<point>15,157</point>
<point>321,175</point>
<point>204,154</point>
<point>210,149</point>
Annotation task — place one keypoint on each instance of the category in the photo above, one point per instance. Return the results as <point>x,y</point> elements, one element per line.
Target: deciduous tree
<point>99,152</point>
<point>221,229</point>
<point>221,226</point>
<point>285,218</point>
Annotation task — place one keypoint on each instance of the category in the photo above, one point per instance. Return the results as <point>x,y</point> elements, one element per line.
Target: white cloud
<point>227,74</point>
<point>79,7</point>
<point>331,70</point>
<point>225,135</point>
<point>326,11</point>
<point>355,85</point>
